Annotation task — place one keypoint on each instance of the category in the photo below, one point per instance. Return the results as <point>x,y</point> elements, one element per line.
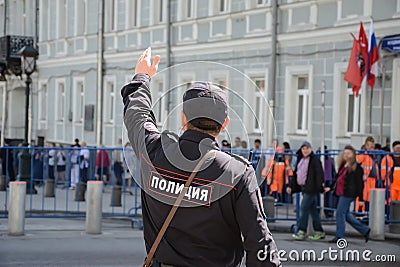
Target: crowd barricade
<point>66,201</point>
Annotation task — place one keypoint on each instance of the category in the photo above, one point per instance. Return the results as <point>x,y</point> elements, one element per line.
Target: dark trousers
<point>8,170</point>
<point>84,175</point>
<point>308,207</point>
<point>118,170</point>
<point>51,172</point>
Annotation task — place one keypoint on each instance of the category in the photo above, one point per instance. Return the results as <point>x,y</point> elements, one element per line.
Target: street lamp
<point>28,56</point>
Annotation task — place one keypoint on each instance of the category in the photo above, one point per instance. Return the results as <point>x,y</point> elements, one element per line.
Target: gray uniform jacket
<point>221,215</point>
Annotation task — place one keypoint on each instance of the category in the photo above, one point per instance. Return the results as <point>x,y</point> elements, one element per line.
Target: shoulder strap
<point>173,210</point>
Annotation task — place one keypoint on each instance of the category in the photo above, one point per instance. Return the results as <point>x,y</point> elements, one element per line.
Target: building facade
<point>313,47</point>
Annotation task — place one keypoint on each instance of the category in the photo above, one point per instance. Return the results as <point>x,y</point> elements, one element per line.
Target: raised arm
<point>138,117</point>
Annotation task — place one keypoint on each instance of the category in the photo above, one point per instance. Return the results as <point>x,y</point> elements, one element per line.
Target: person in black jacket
<point>216,227</point>
<point>348,186</point>
<point>308,178</point>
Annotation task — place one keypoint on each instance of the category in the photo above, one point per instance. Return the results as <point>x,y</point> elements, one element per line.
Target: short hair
<point>214,131</point>
<point>257,141</point>
<point>370,139</point>
<point>395,143</point>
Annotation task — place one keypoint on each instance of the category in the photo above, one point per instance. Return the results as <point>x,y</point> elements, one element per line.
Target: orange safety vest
<point>369,182</point>
<point>393,173</point>
<point>277,173</point>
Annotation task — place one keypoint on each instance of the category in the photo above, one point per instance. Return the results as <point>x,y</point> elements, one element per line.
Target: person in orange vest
<point>370,168</point>
<point>390,170</point>
<point>277,172</point>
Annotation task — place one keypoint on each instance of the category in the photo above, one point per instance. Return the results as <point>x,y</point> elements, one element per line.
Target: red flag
<point>357,67</point>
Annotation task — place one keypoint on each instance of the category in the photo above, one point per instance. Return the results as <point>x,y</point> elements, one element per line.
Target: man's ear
<point>226,122</point>
<point>184,121</point>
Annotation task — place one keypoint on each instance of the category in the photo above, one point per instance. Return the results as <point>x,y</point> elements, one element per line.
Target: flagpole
<point>382,103</point>
<point>370,109</point>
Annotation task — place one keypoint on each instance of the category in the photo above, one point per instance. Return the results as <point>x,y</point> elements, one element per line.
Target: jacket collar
<point>197,137</point>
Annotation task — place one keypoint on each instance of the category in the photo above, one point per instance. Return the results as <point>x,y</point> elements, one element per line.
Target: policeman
<point>221,214</point>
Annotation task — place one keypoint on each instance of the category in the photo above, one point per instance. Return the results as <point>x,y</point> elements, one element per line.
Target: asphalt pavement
<point>63,242</point>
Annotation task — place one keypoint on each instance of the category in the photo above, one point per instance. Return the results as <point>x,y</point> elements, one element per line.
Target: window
<point>189,9</point>
<point>132,16</point>
<point>110,18</point>
<point>302,103</point>
<point>350,112</point>
<point>219,7</point>
<point>298,102</point>
<point>353,110</point>
<point>79,103</point>
<point>223,6</point>
<point>60,101</point>
<point>44,20</point>
<point>158,14</point>
<point>259,103</point>
<point>43,102</point>
<point>80,13</point>
<point>62,16</point>
<point>262,2</point>
<point>109,101</point>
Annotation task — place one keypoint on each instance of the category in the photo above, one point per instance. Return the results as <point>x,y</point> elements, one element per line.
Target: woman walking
<point>349,185</point>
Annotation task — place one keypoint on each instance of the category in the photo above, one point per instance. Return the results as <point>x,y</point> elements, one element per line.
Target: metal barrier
<point>64,203</point>
<point>102,164</point>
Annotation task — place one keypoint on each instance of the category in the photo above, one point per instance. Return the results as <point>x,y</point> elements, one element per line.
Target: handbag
<point>173,210</point>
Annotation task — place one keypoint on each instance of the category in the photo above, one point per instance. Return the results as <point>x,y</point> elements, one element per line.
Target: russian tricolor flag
<point>373,57</point>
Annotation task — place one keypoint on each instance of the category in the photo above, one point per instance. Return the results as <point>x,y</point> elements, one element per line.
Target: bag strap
<point>173,210</point>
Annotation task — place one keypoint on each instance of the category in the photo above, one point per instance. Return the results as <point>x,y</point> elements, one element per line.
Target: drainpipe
<point>100,72</point>
<point>4,104</point>
<point>5,18</point>
<point>272,76</point>
<point>168,57</point>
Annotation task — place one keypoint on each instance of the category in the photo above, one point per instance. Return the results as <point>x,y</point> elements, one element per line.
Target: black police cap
<point>204,102</point>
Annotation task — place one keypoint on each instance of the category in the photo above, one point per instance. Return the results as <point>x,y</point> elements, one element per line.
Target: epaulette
<point>238,157</point>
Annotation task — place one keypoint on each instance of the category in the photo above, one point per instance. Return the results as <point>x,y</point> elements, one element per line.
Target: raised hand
<point>144,64</point>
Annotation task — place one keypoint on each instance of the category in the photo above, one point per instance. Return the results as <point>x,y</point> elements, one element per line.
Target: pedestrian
<point>61,166</point>
<point>369,163</point>
<point>102,165</point>
<point>38,165</point>
<point>237,142</point>
<point>330,199</point>
<point>212,230</point>
<point>84,156</point>
<point>258,159</point>
<point>390,168</point>
<point>348,186</point>
<point>7,161</point>
<point>243,144</point>
<point>277,172</point>
<point>130,166</point>
<point>75,160</point>
<point>226,145</point>
<point>308,179</point>
<point>118,158</point>
<point>52,154</point>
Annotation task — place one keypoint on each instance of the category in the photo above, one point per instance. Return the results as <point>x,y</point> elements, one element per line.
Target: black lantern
<point>28,56</point>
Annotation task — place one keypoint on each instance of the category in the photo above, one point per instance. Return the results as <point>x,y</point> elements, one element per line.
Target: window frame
<point>305,93</point>
<point>78,119</point>
<point>109,106</point>
<point>250,98</point>
<point>290,125</point>
<point>42,101</point>
<point>60,100</point>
